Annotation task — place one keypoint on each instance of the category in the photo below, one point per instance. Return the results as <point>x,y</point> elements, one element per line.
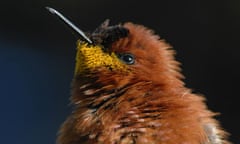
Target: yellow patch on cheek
<point>90,57</point>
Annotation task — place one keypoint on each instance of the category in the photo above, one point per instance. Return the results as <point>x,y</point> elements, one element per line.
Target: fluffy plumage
<point>148,104</point>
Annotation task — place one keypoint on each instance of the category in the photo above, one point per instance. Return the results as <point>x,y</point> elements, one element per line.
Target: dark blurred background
<point>37,57</point>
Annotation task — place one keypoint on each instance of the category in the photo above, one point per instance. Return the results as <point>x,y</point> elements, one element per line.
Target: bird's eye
<point>127,58</point>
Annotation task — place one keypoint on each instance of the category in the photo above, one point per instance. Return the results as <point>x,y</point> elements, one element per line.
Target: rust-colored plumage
<point>148,104</point>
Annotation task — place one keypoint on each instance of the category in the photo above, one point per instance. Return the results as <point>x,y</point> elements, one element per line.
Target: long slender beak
<point>69,23</point>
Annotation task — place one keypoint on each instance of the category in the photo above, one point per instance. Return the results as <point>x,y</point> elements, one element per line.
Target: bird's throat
<point>91,58</point>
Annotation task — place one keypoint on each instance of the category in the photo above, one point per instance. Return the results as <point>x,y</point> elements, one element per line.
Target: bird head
<point>127,52</point>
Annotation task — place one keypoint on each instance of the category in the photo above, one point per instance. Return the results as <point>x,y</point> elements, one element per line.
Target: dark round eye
<point>127,58</point>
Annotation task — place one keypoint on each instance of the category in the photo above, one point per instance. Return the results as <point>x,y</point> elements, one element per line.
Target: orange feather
<point>149,105</point>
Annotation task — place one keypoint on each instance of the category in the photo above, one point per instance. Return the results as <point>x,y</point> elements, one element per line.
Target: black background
<point>37,57</point>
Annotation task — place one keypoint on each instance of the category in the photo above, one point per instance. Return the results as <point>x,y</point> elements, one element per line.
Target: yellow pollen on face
<point>90,57</point>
